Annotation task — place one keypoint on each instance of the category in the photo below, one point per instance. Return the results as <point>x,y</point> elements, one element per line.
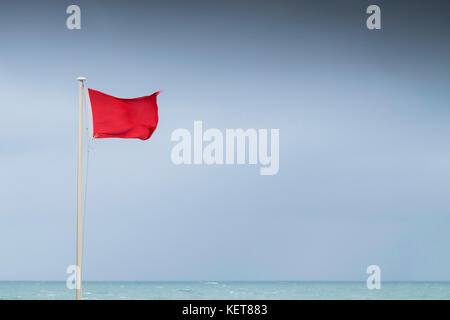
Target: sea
<point>228,290</point>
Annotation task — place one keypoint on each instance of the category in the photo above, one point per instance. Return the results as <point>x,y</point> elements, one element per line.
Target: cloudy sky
<point>364,124</point>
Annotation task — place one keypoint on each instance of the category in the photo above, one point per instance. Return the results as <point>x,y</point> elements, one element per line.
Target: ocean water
<point>225,290</point>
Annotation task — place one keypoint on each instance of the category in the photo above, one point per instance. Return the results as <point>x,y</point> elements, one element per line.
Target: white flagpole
<point>79,186</point>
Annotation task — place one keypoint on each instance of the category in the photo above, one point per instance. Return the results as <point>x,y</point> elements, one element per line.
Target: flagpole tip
<point>81,79</point>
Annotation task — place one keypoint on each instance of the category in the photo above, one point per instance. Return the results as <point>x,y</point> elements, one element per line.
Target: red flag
<point>123,118</point>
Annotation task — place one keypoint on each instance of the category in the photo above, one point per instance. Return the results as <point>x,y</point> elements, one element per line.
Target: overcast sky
<point>364,124</point>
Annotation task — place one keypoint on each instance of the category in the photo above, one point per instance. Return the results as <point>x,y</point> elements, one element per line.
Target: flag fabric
<point>123,118</point>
